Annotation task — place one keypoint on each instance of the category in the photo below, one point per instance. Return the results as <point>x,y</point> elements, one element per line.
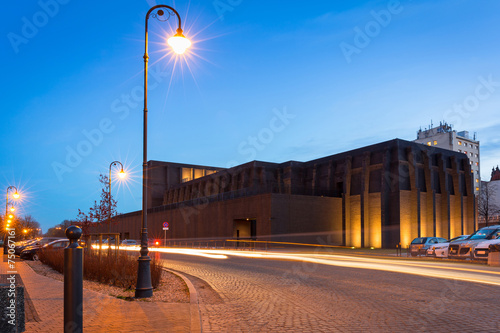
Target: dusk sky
<point>265,80</point>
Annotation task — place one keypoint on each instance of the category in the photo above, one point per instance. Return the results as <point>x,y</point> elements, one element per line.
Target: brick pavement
<point>285,296</point>
<point>102,313</point>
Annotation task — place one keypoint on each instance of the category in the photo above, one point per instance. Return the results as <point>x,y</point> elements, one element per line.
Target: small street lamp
<point>122,174</point>
<point>179,43</point>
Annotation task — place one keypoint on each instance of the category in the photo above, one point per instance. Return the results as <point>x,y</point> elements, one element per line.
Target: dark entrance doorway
<point>245,228</point>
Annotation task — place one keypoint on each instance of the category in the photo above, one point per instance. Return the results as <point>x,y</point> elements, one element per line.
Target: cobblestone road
<point>280,296</point>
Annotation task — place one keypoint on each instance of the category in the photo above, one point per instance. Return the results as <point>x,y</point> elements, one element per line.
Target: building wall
<point>379,196</point>
<point>300,218</point>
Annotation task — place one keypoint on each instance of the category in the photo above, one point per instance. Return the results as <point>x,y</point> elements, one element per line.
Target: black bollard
<point>73,282</point>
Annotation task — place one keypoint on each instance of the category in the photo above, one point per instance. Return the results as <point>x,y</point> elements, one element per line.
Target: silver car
<point>465,248</point>
<point>441,250</point>
<point>482,250</point>
<point>420,245</point>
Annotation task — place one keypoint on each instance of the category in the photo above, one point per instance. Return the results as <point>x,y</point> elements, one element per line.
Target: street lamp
<point>15,196</point>
<point>122,174</point>
<point>179,43</point>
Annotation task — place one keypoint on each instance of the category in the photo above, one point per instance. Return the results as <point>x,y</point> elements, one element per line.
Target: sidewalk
<point>101,313</point>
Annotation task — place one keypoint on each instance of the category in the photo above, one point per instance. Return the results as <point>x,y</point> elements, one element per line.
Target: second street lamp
<point>122,175</point>
<point>15,196</point>
<point>179,43</point>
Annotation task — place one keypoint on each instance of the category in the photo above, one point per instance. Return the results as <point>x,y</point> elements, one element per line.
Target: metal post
<point>73,282</point>
<point>88,242</point>
<point>144,287</point>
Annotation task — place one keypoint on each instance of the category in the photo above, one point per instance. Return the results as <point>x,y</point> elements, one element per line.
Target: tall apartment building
<point>444,136</point>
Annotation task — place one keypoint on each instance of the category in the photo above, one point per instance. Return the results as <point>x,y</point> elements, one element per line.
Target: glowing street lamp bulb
<point>16,195</point>
<point>12,209</point>
<point>179,42</point>
<point>8,221</point>
<point>25,231</point>
<point>10,216</point>
<point>122,174</point>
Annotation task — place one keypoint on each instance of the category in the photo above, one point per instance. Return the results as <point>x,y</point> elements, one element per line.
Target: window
<point>460,150</point>
<point>435,142</point>
<point>465,152</point>
<point>476,155</point>
<point>429,143</point>
<point>459,143</point>
<point>477,163</point>
<point>470,162</point>
<point>477,180</point>
<point>476,147</point>
<point>477,188</point>
<point>470,154</point>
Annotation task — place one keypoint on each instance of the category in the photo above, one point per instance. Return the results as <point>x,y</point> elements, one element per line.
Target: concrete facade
<point>379,196</point>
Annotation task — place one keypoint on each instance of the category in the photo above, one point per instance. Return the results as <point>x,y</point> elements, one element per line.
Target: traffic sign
<point>165,228</point>
<point>165,224</point>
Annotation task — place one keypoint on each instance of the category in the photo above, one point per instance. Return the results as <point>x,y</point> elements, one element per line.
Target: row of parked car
<point>30,249</point>
<point>475,246</point>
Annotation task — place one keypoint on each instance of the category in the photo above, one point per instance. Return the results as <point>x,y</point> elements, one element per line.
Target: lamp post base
<point>144,288</point>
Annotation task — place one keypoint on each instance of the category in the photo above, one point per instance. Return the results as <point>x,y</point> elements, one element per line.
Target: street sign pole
<point>165,228</point>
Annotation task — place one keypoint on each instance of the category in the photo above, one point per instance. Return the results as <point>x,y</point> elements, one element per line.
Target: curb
<point>194,305</point>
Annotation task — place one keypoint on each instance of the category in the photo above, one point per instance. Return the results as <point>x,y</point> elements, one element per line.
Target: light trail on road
<point>436,270</point>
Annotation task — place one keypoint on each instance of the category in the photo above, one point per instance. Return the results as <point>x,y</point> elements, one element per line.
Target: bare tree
<point>27,226</point>
<point>59,230</point>
<point>100,212</point>
<point>487,206</point>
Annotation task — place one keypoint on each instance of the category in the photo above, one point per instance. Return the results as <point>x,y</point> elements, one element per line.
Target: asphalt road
<point>276,295</point>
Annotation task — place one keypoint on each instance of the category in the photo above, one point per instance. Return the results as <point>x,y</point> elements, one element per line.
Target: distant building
<point>489,200</point>
<point>444,136</point>
<point>380,195</point>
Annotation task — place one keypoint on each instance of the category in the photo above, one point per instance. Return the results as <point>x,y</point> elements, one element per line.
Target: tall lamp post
<point>122,175</point>
<point>179,43</point>
<point>15,196</point>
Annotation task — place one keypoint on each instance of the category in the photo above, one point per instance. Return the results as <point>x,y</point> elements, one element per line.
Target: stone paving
<point>286,296</point>
<point>102,313</point>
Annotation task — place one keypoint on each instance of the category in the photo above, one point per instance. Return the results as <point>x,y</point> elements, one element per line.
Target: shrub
<point>52,258</point>
<point>119,270</point>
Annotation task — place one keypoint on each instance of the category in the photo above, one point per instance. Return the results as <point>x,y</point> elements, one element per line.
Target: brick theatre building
<point>377,196</point>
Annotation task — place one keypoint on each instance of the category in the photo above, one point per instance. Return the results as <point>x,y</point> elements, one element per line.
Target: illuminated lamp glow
<point>179,43</point>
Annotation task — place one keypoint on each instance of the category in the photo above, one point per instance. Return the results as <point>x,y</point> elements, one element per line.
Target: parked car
<point>482,250</point>
<point>130,242</point>
<point>440,250</point>
<point>32,252</point>
<point>464,249</point>
<point>20,246</point>
<point>420,245</point>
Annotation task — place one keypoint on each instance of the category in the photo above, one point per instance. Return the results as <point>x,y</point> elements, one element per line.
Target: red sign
<point>165,224</point>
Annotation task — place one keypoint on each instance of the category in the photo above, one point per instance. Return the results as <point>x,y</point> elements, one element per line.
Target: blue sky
<point>271,81</point>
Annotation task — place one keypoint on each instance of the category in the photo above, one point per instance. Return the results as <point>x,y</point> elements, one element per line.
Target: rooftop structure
<point>444,136</point>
